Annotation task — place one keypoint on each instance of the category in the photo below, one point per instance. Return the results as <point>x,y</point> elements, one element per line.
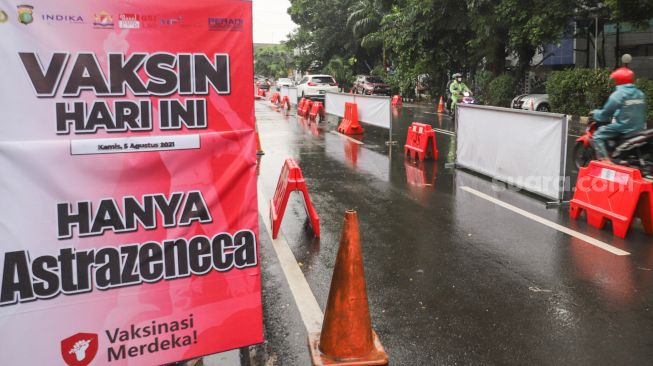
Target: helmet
<point>623,75</point>
<point>456,75</point>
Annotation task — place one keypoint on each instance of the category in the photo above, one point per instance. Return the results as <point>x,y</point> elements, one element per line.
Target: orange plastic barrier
<point>317,110</point>
<point>291,179</point>
<point>420,142</point>
<point>306,108</point>
<point>285,103</point>
<point>350,125</point>
<point>275,98</point>
<point>347,337</point>
<point>397,101</point>
<point>615,193</point>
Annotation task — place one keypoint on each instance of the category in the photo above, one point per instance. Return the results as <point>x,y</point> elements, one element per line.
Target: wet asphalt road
<point>451,278</point>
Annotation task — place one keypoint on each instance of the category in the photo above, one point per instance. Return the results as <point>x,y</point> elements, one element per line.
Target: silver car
<point>532,102</point>
<point>284,82</point>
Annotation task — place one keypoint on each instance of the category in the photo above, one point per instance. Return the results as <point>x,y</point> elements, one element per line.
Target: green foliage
<point>341,71</point>
<point>646,86</point>
<point>273,61</point>
<point>501,91</point>
<point>481,86</point>
<point>578,91</point>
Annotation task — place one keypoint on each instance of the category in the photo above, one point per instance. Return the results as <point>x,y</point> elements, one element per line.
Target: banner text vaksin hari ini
<point>186,75</point>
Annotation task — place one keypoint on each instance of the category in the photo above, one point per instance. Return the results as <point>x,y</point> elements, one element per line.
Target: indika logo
<point>80,349</point>
<point>225,24</point>
<point>25,15</point>
<point>103,20</point>
<point>72,19</point>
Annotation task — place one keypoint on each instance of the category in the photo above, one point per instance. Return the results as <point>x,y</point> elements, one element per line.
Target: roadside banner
<point>129,225</point>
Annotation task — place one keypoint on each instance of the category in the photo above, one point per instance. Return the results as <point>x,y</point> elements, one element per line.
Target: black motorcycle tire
<point>583,155</point>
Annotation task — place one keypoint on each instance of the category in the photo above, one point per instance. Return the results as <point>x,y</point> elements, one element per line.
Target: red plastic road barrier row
<point>350,125</point>
<point>317,110</point>
<point>291,179</point>
<point>420,142</point>
<point>615,193</point>
<point>396,101</point>
<point>285,103</point>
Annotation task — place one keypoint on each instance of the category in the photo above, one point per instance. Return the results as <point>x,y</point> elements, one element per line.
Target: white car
<point>284,82</point>
<point>316,86</point>
<point>532,102</point>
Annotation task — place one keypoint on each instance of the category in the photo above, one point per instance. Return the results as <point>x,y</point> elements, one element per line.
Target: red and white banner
<point>128,230</point>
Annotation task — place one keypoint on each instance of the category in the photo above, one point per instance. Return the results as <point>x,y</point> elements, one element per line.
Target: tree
<point>273,61</point>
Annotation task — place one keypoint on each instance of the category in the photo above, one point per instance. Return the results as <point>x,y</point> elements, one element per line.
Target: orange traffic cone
<point>259,149</point>
<point>441,106</point>
<point>347,337</point>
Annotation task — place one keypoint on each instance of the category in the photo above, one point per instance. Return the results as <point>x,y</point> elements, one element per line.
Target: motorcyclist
<point>457,88</point>
<point>627,105</point>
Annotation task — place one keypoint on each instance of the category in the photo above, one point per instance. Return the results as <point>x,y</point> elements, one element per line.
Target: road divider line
<point>446,132</point>
<point>350,138</point>
<point>307,305</point>
<point>551,224</point>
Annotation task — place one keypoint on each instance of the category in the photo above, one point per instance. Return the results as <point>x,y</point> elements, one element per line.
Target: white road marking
<point>446,132</point>
<point>309,309</point>
<point>573,135</point>
<point>545,222</point>
<point>350,138</point>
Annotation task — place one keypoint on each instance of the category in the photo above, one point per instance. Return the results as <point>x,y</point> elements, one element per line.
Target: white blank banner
<point>525,149</point>
<point>371,109</point>
<point>289,92</point>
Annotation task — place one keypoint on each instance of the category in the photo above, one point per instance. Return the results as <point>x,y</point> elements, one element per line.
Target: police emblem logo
<point>25,14</point>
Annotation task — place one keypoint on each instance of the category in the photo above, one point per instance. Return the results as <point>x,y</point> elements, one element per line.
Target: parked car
<point>532,102</point>
<point>316,86</point>
<point>284,82</point>
<point>371,85</point>
<point>264,83</point>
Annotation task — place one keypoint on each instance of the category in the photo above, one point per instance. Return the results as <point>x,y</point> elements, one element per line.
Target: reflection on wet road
<point>453,278</point>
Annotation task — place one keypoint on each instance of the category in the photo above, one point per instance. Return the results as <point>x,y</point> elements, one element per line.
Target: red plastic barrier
<point>306,108</point>
<point>615,193</point>
<point>291,179</point>
<point>350,125</point>
<point>285,103</point>
<point>275,98</point>
<point>317,110</point>
<point>397,101</point>
<point>301,105</point>
<point>420,142</point>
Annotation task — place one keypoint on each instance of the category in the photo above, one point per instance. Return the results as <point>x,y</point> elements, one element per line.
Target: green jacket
<point>628,105</point>
<point>457,88</point>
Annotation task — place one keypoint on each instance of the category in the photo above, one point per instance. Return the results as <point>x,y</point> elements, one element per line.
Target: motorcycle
<point>465,98</point>
<point>634,150</point>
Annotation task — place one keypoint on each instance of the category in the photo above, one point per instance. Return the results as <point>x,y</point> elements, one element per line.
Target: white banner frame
<point>376,114</point>
<point>502,143</point>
